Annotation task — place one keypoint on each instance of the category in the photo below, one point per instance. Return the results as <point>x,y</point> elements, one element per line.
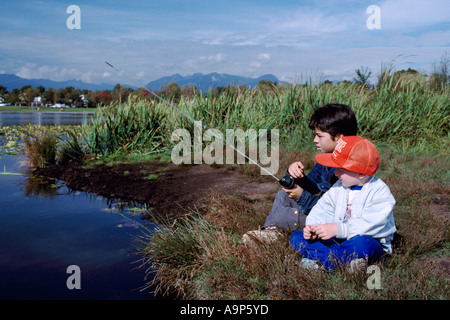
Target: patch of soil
<point>440,205</point>
<point>168,188</point>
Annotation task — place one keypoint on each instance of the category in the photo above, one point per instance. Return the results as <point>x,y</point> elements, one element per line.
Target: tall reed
<point>131,126</point>
<point>403,110</point>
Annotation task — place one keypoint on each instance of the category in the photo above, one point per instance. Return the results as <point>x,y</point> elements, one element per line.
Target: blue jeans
<point>335,251</point>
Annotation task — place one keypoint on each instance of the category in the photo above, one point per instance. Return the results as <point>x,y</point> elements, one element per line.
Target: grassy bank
<point>202,257</point>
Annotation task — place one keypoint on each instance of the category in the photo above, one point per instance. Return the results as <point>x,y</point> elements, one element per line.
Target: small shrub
<point>41,151</point>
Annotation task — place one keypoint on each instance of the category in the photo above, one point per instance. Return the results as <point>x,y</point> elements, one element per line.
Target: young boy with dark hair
<point>330,122</point>
<point>354,219</point>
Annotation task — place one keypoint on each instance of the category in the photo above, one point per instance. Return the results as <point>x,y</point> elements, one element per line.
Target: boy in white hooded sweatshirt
<point>354,219</point>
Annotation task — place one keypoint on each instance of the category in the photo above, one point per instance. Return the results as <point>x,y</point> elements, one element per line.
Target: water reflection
<point>41,186</point>
<point>46,227</point>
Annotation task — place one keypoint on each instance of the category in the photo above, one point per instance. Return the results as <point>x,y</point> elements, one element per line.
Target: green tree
<point>173,91</point>
<point>49,96</point>
<point>13,96</point>
<point>93,98</point>
<point>362,76</point>
<point>266,86</point>
<point>28,94</point>
<point>120,93</point>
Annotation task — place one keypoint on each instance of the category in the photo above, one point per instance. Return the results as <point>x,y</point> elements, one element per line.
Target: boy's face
<point>324,142</point>
<point>349,178</point>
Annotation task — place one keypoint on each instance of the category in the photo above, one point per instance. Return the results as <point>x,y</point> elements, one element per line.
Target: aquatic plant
<point>41,150</point>
<point>130,126</point>
<point>70,147</point>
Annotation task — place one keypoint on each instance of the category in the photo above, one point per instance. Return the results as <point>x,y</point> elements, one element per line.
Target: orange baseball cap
<point>352,153</point>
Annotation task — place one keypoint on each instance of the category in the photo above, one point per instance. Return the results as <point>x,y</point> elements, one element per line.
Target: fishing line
<point>192,119</point>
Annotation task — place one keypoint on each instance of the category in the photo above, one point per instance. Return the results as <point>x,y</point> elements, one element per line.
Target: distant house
<point>36,102</point>
<point>3,103</point>
<point>84,100</point>
<point>59,105</point>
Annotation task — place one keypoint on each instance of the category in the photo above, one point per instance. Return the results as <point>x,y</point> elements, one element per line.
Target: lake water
<point>46,228</point>
<point>43,118</point>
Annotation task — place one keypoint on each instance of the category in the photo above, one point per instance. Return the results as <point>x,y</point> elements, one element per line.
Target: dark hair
<point>334,119</point>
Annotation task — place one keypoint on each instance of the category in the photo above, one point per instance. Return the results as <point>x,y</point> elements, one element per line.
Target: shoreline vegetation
<point>199,254</point>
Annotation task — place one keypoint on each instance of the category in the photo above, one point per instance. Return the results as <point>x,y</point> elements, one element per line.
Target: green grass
<point>203,257</point>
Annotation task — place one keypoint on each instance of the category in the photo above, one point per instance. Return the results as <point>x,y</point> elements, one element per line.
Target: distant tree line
<point>437,80</point>
<point>65,96</point>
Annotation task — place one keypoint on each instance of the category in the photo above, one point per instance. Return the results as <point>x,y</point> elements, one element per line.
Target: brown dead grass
<point>220,266</point>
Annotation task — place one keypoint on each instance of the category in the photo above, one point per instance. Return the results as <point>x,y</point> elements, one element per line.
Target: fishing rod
<point>287,181</point>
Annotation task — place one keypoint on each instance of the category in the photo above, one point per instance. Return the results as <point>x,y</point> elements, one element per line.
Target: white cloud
<point>26,71</point>
<point>264,56</point>
<point>196,63</point>
<point>140,75</point>
<point>314,22</point>
<point>33,71</point>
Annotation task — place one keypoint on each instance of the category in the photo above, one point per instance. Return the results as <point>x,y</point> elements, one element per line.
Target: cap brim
<point>326,160</point>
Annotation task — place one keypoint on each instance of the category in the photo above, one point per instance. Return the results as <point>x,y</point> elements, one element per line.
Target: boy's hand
<point>326,231</point>
<point>296,170</point>
<point>308,232</point>
<point>293,193</point>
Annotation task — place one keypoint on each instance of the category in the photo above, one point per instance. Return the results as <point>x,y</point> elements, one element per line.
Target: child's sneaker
<point>266,235</point>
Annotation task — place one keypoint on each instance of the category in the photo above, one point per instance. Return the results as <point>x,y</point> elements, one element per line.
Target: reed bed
<point>132,126</point>
<point>406,111</point>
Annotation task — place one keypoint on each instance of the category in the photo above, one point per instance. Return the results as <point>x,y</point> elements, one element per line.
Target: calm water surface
<point>46,227</point>
<point>43,118</point>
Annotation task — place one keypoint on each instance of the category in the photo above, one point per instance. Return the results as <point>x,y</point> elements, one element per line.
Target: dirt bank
<point>168,188</point>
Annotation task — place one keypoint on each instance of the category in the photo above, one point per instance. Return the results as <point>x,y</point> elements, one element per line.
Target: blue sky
<point>292,39</point>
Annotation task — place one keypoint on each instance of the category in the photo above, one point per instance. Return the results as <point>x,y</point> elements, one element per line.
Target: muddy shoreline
<point>170,189</point>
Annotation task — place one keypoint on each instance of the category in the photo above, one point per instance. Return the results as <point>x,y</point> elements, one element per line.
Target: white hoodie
<point>371,212</point>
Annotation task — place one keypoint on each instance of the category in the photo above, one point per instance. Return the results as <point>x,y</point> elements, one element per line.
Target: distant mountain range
<point>212,80</point>
<point>202,81</point>
<point>11,81</point>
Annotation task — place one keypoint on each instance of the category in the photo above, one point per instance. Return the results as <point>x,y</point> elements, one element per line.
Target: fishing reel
<point>288,182</point>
